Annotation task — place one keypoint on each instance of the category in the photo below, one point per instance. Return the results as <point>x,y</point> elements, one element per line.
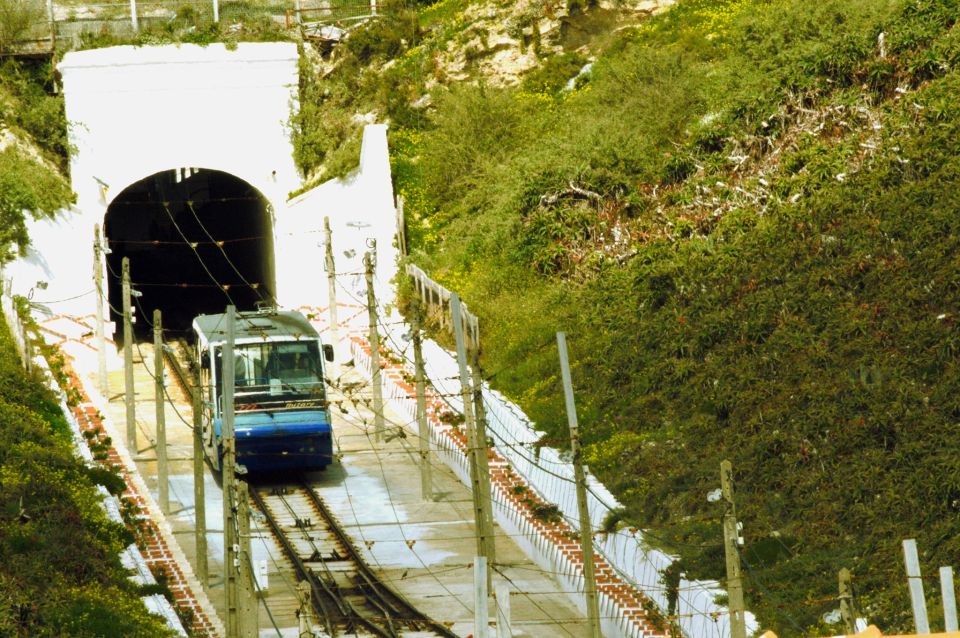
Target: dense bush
<point>61,572</point>
<point>746,223</point>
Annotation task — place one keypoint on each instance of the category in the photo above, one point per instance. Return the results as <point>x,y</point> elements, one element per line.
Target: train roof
<point>255,325</point>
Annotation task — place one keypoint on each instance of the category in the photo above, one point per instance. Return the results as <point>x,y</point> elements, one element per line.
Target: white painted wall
<point>136,111</point>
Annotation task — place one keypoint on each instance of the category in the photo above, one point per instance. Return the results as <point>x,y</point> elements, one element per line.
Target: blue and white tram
<point>282,419</point>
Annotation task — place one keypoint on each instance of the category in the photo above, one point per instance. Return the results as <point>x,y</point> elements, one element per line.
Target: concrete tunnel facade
<point>182,158</point>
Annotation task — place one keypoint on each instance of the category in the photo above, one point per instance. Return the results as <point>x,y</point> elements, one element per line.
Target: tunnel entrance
<point>197,239</point>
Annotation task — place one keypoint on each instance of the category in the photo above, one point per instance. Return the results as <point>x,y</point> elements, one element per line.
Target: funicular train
<point>282,419</point>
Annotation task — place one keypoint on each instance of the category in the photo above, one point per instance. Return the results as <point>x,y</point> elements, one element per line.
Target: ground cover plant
<point>61,572</point>
<point>744,217</point>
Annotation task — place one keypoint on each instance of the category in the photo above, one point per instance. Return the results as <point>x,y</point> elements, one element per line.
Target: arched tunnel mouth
<point>197,240</point>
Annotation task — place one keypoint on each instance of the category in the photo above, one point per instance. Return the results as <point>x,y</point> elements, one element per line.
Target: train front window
<point>276,371</point>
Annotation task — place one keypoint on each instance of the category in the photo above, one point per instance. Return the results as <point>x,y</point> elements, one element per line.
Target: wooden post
<point>199,496</point>
<point>423,429</point>
<point>231,547</point>
<point>481,613</point>
<point>375,381</point>
<point>917,600</point>
<point>949,595</point>
<point>477,452</point>
<point>586,528</point>
<point>504,629</point>
<point>128,360</point>
<point>98,327</point>
<point>247,595</point>
<point>331,285</point>
<point>847,614</point>
<point>159,398</point>
<point>738,626</point>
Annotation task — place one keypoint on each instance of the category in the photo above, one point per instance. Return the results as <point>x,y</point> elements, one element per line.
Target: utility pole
<point>331,284</point>
<point>199,497</point>
<point>480,424</point>
<point>128,360</point>
<point>586,528</point>
<point>423,429</point>
<point>374,350</point>
<point>848,615</point>
<point>731,542</point>
<point>231,547</point>
<point>481,612</point>
<point>915,581</point>
<point>98,328</point>
<point>477,452</point>
<point>216,11</point>
<point>249,625</point>
<point>159,400</point>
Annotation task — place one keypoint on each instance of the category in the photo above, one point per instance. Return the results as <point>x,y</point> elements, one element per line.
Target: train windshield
<point>275,372</point>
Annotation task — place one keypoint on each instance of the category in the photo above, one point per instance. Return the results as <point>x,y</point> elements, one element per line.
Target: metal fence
<point>45,25</point>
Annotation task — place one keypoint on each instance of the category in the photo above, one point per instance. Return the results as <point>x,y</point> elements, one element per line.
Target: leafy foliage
<point>744,221</point>
<point>61,573</point>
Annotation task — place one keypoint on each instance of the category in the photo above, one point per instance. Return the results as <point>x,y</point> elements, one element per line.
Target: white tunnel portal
<point>197,240</point>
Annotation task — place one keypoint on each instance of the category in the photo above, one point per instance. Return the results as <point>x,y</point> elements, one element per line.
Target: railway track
<point>346,594</point>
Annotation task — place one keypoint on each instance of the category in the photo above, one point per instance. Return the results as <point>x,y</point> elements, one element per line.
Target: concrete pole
<point>949,596</point>
<point>51,17</point>
<point>847,614</point>
<point>99,328</point>
<point>199,497</point>
<point>216,11</point>
<point>423,429</point>
<point>738,625</point>
<point>249,623</point>
<point>160,401</point>
<point>586,528</point>
<point>133,16</point>
<point>477,452</point>
<point>304,611</point>
<point>374,350</point>
<point>328,265</point>
<point>917,600</point>
<point>504,629</point>
<point>230,541</point>
<point>481,613</point>
<point>128,388</point>
<point>480,423</point>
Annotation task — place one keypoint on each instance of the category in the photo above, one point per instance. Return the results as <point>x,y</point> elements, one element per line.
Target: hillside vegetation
<point>61,573</point>
<point>745,218</point>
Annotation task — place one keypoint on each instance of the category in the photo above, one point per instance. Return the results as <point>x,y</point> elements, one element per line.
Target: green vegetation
<point>33,152</point>
<point>745,219</point>
<point>61,572</point>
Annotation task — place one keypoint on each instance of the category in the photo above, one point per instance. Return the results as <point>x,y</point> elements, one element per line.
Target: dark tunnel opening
<point>197,240</point>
